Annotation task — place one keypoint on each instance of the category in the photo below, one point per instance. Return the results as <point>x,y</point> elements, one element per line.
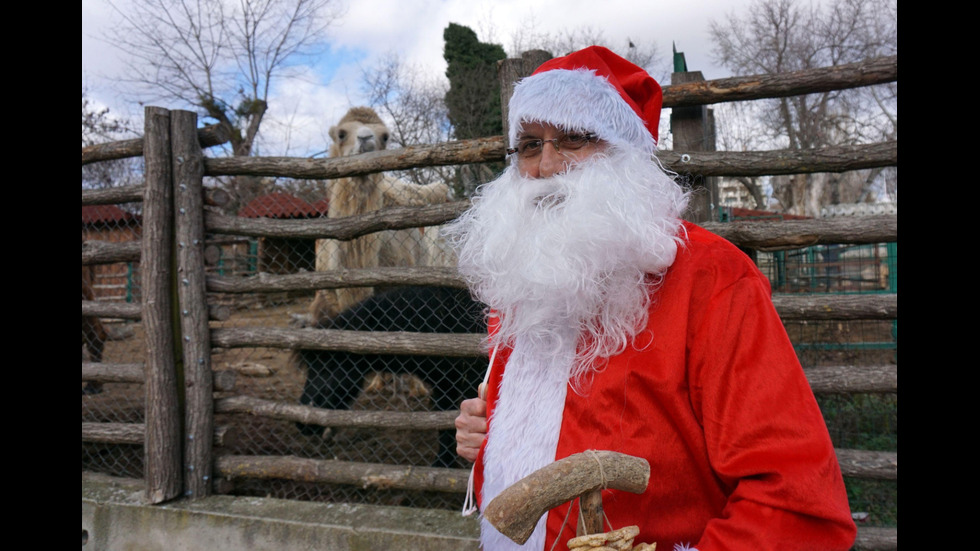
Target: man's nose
<point>551,162</point>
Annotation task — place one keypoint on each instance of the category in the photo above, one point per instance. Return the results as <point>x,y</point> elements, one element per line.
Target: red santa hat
<point>591,90</point>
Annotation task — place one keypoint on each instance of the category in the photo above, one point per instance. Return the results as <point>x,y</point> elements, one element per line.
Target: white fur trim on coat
<point>578,101</point>
<point>524,428</point>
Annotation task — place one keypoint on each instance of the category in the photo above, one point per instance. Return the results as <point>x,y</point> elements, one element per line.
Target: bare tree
<point>785,35</point>
<point>99,126</point>
<point>413,106</point>
<point>218,56</point>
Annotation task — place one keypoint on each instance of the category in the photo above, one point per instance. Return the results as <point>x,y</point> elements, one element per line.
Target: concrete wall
<point>114,517</point>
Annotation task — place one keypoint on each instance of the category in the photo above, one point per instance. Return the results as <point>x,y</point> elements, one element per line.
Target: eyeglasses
<point>528,148</point>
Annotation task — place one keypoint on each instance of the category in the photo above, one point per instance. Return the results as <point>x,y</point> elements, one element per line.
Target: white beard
<point>582,250</point>
<point>570,264</point>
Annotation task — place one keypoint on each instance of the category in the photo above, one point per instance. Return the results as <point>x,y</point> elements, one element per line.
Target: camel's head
<point>361,130</point>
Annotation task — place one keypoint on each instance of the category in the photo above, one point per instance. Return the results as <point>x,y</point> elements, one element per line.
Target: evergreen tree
<point>473,98</point>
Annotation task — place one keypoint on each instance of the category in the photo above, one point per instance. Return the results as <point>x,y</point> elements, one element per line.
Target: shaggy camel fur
<point>361,131</point>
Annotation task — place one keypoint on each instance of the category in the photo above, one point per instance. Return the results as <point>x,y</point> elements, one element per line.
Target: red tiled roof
<point>322,205</point>
<point>95,214</point>
<point>278,205</point>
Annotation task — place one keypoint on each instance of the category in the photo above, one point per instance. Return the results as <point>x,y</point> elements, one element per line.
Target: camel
<point>361,130</point>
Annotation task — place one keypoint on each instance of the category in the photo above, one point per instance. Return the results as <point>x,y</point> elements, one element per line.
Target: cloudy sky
<point>301,112</point>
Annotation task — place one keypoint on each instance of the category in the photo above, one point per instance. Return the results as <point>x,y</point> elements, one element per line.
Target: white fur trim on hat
<point>577,101</point>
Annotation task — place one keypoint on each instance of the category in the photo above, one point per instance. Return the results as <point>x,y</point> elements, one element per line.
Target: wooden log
<point>106,309</point>
<point>869,72</point>
<point>360,342</point>
<point>875,465</point>
<point>135,434</point>
<point>195,343</point>
<point>162,447</point>
<point>836,307</point>
<point>702,163</point>
<point>849,379</point>
<point>363,277</point>
<point>126,311</point>
<point>208,136</point>
<point>224,381</point>
<point>516,510</point>
<point>363,475</point>
<point>113,372</point>
<point>784,161</point>
<point>106,252</point>
<point>346,228</point>
<point>401,420</point>
<point>113,195</point>
<point>875,538</point>
<point>509,71</point>
<point>796,234</point>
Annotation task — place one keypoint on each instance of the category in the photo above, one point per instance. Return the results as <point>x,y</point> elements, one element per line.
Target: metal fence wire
<point>379,382</point>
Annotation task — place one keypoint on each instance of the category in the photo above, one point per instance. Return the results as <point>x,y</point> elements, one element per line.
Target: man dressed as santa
<point>617,326</point>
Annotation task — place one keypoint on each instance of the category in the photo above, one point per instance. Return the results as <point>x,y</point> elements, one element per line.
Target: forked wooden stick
<point>516,511</point>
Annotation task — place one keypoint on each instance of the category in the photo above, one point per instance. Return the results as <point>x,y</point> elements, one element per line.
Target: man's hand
<point>471,425</point>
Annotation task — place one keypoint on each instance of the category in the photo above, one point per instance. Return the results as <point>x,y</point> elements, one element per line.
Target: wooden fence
<point>179,434</point>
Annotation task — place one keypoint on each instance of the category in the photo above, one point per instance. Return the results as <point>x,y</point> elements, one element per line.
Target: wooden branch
<point>784,161</point>
<point>215,197</point>
<point>359,342</point>
<point>208,136</point>
<point>774,235</point>
<point>477,150</point>
<point>109,252</point>
<point>129,311</point>
<point>415,420</point>
<point>836,307</point>
<point>113,195</point>
<point>333,279</point>
<point>516,510</point>
<point>224,381</point>
<point>879,70</point>
<point>391,218</point>
<point>135,433</point>
<point>364,475</point>
<point>113,373</point>
<point>875,538</point>
<point>851,379</point>
<point>106,309</point>
<point>702,163</point>
<point>868,464</point>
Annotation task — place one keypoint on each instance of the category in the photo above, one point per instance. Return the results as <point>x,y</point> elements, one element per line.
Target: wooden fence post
<point>162,447</point>
<point>693,129</point>
<point>195,340</point>
<point>509,71</point>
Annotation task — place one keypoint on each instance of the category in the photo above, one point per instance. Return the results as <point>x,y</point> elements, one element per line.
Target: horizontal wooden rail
<point>413,420</point>
<point>363,475</point>
<point>132,311</point>
<point>874,538</point>
<point>849,379</point>
<point>333,279</point>
<point>133,373</point>
<point>135,433</point>
<point>208,136</point>
<point>358,342</point>
<point>703,163</point>
<point>869,72</point>
<point>771,235</point>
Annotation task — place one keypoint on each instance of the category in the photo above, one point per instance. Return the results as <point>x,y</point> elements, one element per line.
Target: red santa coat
<point>739,454</point>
